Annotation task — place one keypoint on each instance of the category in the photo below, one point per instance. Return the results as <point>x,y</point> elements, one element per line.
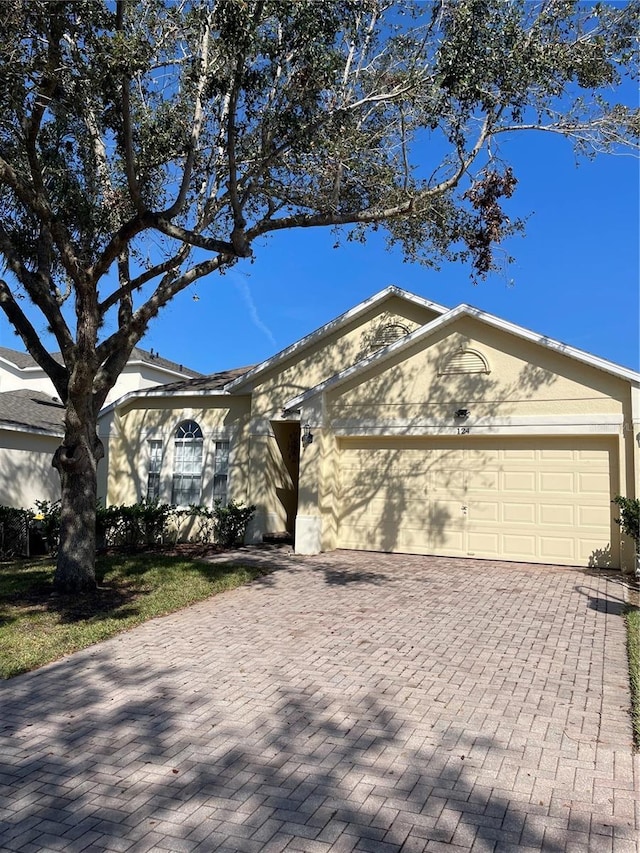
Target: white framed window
<point>154,448</point>
<point>187,464</point>
<point>220,471</point>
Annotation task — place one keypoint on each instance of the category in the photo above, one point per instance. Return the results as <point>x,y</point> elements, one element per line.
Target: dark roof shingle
<point>213,382</point>
<point>31,409</point>
<point>23,360</point>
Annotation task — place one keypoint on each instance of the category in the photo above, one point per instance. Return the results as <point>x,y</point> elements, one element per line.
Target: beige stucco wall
<point>220,418</point>
<point>270,476</point>
<point>525,380</point>
<point>332,354</point>
<point>529,390</point>
<point>26,473</point>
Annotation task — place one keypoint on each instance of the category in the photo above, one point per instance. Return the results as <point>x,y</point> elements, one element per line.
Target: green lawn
<point>38,626</point>
<point>633,647</point>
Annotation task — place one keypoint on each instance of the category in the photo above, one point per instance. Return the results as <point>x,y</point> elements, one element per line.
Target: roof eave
<point>155,392</point>
<point>446,319</point>
<point>13,426</point>
<point>332,326</point>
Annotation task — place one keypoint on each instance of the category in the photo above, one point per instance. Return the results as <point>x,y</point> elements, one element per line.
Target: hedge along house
<point>401,426</point>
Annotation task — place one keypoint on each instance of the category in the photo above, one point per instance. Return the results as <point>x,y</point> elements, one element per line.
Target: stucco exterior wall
<point>524,381</point>
<point>332,354</point>
<point>220,418</point>
<point>26,473</point>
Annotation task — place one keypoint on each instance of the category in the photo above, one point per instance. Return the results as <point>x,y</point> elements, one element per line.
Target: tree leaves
<point>165,138</point>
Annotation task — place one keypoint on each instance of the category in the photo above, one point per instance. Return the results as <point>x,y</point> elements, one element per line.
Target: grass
<point>633,647</point>
<point>38,626</point>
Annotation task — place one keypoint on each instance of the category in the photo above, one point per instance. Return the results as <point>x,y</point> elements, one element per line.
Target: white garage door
<point>533,500</point>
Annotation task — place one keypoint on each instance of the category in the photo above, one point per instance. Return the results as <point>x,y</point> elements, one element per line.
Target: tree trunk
<point>77,461</point>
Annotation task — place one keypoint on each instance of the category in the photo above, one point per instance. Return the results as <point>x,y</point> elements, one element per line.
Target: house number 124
<point>464,430</point>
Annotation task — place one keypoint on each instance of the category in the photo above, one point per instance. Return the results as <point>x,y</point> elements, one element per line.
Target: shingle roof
<point>23,360</point>
<point>20,359</point>
<point>150,357</point>
<point>213,382</point>
<point>31,409</point>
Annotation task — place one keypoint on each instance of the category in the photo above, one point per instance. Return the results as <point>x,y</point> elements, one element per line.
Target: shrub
<point>629,522</point>
<point>138,525</point>
<point>14,531</point>
<point>47,520</point>
<point>230,522</point>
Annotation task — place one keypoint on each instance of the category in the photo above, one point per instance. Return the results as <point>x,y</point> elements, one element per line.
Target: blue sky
<point>575,278</point>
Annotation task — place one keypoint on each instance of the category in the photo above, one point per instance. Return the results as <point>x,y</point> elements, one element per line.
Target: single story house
<point>400,426</point>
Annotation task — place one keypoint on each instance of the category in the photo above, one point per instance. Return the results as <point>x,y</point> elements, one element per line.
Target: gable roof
<point>201,386</point>
<point>21,360</point>
<point>33,410</point>
<point>215,382</point>
<point>154,359</point>
<point>24,361</point>
<point>446,319</point>
<point>339,322</point>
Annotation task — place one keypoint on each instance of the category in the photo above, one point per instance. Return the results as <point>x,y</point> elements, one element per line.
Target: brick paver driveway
<point>346,702</point>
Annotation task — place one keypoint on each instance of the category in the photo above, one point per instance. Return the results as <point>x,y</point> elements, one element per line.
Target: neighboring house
<point>31,420</point>
<point>400,426</point>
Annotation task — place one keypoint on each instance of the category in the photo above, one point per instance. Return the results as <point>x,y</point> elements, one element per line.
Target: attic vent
<point>388,334</point>
<point>465,361</point>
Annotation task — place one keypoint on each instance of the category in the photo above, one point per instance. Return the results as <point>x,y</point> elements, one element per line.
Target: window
<point>153,475</point>
<point>220,471</point>
<point>187,464</point>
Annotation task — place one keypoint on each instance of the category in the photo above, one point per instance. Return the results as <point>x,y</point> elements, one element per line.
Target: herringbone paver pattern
<point>347,702</point>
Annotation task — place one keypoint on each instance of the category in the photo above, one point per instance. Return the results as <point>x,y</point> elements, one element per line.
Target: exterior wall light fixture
<point>462,414</point>
<point>307,436</point>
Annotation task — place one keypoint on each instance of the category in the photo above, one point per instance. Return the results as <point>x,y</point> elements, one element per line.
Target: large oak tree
<point>146,144</point>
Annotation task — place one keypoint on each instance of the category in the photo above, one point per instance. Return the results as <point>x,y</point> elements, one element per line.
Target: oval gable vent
<point>465,361</point>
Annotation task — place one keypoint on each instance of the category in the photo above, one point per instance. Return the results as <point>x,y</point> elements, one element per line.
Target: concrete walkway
<point>346,702</point>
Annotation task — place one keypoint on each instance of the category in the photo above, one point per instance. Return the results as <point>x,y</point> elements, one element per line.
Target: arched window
<point>187,464</point>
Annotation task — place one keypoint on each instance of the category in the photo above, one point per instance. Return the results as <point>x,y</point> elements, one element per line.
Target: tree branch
<point>38,286</point>
<point>57,373</point>
<point>196,126</point>
<point>129,158</point>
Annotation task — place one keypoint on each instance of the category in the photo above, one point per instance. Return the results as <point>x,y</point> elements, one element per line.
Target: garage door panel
<point>478,480</point>
<point>555,455</point>
<point>545,500</point>
<point>520,546</point>
<point>518,454</point>
<point>554,549</point>
<point>484,511</point>
<point>557,481</point>
<point>519,481</point>
<point>484,544</point>
<point>518,513</point>
<point>446,480</point>
<point>591,517</point>
<point>592,455</point>
<point>556,514</point>
<point>593,483</point>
